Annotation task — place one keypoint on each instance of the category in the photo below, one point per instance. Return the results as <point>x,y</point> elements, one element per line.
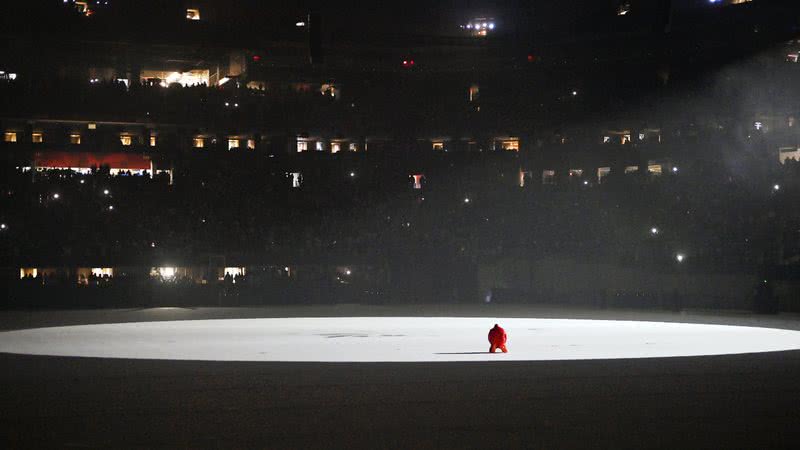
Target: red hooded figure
<point>497,339</point>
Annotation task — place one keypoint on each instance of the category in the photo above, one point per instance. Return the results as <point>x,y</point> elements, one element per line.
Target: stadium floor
<point>728,401</point>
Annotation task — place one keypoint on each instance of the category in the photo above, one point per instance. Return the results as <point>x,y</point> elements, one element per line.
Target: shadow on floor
<point>462,353</point>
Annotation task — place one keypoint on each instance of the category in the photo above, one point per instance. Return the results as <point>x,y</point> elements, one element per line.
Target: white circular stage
<point>393,339</point>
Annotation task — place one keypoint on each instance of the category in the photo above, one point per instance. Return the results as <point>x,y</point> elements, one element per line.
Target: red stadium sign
<point>86,160</point>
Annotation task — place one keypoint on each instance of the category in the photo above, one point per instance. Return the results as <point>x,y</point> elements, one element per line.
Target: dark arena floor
<point>746,401</point>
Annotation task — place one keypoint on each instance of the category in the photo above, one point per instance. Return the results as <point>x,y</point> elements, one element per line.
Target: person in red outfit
<point>497,339</point>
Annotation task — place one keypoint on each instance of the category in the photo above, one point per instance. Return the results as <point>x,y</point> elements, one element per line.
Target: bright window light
<point>102,271</point>
<point>297,179</point>
<point>234,271</point>
<point>417,180</point>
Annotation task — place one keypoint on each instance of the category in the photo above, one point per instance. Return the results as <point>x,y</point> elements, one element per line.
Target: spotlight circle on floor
<point>393,339</point>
